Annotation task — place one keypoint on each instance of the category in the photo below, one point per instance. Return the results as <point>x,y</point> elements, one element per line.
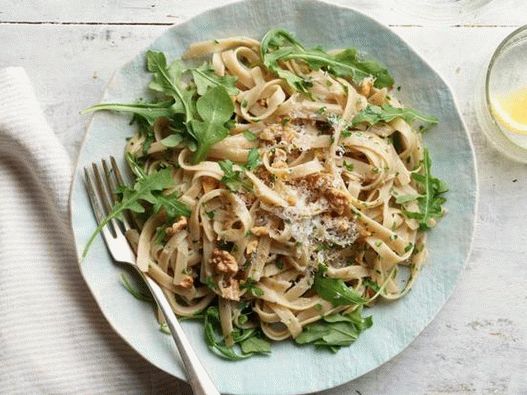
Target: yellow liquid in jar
<point>510,111</point>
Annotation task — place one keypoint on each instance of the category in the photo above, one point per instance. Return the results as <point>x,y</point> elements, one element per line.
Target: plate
<point>291,369</point>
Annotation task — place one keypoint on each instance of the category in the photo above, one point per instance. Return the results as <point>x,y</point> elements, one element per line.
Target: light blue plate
<point>291,369</point>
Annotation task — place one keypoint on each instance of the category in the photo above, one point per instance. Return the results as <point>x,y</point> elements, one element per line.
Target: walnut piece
<point>319,181</point>
<point>223,262</point>
<point>379,97</point>
<point>278,133</point>
<point>231,291</point>
<point>187,282</point>
<point>176,226</point>
<point>337,200</point>
<point>365,86</point>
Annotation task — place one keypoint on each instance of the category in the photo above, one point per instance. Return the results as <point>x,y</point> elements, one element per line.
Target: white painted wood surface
<point>478,342</point>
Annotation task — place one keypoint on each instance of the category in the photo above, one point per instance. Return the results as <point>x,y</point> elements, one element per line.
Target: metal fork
<point>102,192</point>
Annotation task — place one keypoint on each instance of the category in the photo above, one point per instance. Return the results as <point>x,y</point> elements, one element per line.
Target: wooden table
<point>477,343</point>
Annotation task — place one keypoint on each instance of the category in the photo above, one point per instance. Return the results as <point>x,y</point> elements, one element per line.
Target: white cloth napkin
<point>53,339</point>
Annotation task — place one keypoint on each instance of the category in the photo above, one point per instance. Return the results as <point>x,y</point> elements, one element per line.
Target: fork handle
<point>197,376</point>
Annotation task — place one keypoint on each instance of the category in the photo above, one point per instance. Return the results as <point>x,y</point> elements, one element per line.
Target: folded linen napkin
<point>53,339</point>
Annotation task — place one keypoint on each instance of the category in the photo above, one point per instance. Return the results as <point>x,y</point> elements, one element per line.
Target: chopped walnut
<point>231,291</point>
<point>251,246</point>
<point>379,97</point>
<point>187,282</point>
<point>319,181</point>
<point>322,184</point>
<point>176,226</point>
<point>337,200</point>
<point>223,262</point>
<point>365,86</point>
<point>209,184</point>
<point>278,133</point>
<point>259,230</point>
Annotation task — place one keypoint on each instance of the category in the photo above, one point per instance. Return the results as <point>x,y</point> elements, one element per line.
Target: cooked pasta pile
<point>293,188</point>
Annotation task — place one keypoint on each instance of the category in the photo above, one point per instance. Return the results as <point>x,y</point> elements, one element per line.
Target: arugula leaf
<point>366,68</point>
<point>401,199</point>
<point>150,112</point>
<point>149,139</point>
<point>254,345</point>
<point>172,141</point>
<point>205,78</point>
<point>167,80</point>
<point>143,190</point>
<point>213,337</point>
<point>249,135</point>
<point>431,200</point>
<point>136,293</point>
<point>253,159</point>
<point>172,205</point>
<point>386,113</point>
<point>209,282</point>
<point>280,45</point>
<point>163,327</point>
<point>250,285</point>
<point>372,284</point>
<point>215,109</point>
<point>348,166</point>
<point>336,291</point>
<point>335,331</point>
<point>232,179</point>
<point>250,344</point>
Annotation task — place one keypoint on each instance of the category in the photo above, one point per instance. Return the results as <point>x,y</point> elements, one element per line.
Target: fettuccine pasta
<point>314,203</point>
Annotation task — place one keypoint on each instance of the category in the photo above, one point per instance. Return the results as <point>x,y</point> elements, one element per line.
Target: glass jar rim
<point>498,51</point>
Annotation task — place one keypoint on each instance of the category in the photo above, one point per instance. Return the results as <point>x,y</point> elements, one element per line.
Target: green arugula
<point>250,285</point>
<point>167,80</point>
<point>248,339</point>
<point>199,117</point>
<point>249,135</point>
<point>215,109</point>
<point>431,200</point>
<point>348,166</point>
<point>136,293</point>
<point>143,190</point>
<point>401,199</point>
<point>335,290</point>
<point>209,282</point>
<point>172,141</point>
<point>335,331</point>
<point>172,205</point>
<point>386,113</point>
<point>372,284</point>
<point>232,179</point>
<point>205,78</point>
<point>278,45</point>
<point>148,111</point>
<point>253,345</point>
<point>253,159</point>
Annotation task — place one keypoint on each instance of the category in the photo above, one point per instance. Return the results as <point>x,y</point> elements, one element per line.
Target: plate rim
<point>473,167</point>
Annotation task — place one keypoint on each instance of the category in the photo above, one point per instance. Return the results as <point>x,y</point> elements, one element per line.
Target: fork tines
<point>102,186</point>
